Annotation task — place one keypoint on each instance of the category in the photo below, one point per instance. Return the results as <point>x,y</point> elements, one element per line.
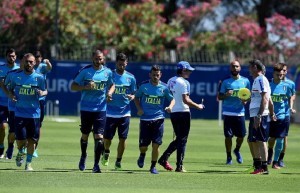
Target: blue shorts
<point>151,131</point>
<point>278,129</point>
<point>234,126</point>
<point>27,128</point>
<point>92,121</point>
<point>261,133</point>
<point>3,114</point>
<point>112,124</point>
<point>11,121</point>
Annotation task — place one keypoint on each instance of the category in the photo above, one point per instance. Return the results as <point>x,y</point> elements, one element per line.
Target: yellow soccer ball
<point>244,93</point>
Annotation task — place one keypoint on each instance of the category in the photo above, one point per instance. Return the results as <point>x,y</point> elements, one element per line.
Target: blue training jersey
<point>25,89</point>
<point>280,94</point>
<point>232,105</point>
<point>7,83</point>
<point>94,100</point>
<point>293,90</point>
<point>4,69</point>
<point>152,99</point>
<point>120,104</point>
<point>42,69</point>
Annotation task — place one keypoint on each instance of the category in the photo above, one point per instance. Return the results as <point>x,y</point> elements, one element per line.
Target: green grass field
<point>56,168</point>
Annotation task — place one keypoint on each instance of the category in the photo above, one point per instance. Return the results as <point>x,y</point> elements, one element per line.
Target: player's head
<point>235,67</point>
<point>29,62</point>
<point>256,67</point>
<point>155,74</point>
<point>184,69</point>
<point>38,57</point>
<point>98,58</point>
<point>11,56</point>
<point>284,68</point>
<point>278,73</point>
<point>121,62</point>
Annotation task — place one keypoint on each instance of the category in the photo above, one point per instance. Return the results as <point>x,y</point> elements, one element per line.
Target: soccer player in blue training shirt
<point>96,85</point>
<point>180,115</point>
<point>25,89</point>
<point>233,110</point>
<point>281,94</point>
<point>42,67</point>
<point>289,110</point>
<point>149,101</point>
<point>4,69</point>
<point>11,109</point>
<point>118,110</point>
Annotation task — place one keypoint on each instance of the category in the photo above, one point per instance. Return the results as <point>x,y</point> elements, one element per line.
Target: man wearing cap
<point>180,115</point>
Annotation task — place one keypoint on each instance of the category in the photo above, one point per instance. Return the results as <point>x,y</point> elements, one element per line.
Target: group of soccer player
<point>22,96</point>
<point>105,108</point>
<point>271,105</point>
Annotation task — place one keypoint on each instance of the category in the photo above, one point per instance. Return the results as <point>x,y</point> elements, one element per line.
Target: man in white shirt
<point>259,115</point>
<point>180,115</point>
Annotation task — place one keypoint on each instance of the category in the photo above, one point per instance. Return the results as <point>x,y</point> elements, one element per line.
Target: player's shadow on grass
<point>8,169</point>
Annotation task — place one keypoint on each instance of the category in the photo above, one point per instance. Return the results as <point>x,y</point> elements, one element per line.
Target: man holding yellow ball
<point>233,109</point>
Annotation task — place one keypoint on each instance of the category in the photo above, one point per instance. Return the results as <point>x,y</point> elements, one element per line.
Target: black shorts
<point>151,131</point>
<point>112,124</point>
<point>234,126</point>
<point>261,133</point>
<point>92,121</point>
<point>27,128</point>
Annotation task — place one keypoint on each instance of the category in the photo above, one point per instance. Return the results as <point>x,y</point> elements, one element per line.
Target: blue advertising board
<point>204,83</point>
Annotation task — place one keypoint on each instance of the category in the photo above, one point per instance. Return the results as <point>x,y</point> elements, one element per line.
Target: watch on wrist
<point>258,116</point>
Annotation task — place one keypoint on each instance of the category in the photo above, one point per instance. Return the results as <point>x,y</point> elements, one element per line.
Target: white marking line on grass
<point>63,120</point>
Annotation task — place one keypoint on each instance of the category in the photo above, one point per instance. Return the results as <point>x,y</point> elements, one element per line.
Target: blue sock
<point>278,148</point>
<point>28,158</point>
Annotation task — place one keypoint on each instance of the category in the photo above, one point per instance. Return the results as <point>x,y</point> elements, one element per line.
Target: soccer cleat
<point>153,171</point>
<point>275,166</point>
<point>258,171</point>
<point>118,166</point>
<point>19,159</point>
<point>269,161</point>
<point>229,161</point>
<point>28,167</point>
<point>238,155</point>
<point>96,169</point>
<point>140,161</point>
<point>265,172</point>
<point>105,159</point>
<point>180,169</point>
<point>1,152</point>
<point>165,164</point>
<point>9,152</point>
<point>35,153</point>
<point>81,164</point>
<point>281,163</point>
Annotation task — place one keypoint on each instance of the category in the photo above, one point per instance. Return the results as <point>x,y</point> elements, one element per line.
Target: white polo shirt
<point>179,86</point>
<point>260,85</point>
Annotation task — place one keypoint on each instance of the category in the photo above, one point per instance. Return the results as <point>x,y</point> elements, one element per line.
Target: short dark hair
<point>155,68</point>
<point>37,54</point>
<point>9,51</point>
<point>97,52</point>
<point>278,67</point>
<point>121,57</point>
<point>259,65</point>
